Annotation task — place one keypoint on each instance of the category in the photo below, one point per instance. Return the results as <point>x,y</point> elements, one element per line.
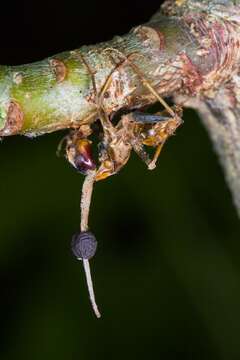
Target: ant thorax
<point>132,132</point>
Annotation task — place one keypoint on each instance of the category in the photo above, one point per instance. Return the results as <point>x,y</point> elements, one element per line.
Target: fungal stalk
<point>87,190</point>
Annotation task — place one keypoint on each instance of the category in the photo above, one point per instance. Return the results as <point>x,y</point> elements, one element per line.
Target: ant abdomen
<point>83,159</point>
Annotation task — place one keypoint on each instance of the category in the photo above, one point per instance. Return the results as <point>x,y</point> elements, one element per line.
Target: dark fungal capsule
<point>84,245</point>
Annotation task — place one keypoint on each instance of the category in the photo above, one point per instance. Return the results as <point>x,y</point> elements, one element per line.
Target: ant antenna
<point>84,244</point>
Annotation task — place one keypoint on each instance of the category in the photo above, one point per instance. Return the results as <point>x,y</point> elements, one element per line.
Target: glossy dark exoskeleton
<point>145,118</point>
<point>84,163</point>
<point>79,154</point>
<point>84,245</point>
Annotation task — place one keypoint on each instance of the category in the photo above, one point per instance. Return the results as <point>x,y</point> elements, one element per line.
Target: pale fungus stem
<point>87,190</point>
<point>87,270</point>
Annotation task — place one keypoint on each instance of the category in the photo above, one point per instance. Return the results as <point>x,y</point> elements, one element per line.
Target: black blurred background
<point>167,271</point>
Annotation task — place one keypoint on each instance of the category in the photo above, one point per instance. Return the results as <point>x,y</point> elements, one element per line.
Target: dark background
<point>167,271</point>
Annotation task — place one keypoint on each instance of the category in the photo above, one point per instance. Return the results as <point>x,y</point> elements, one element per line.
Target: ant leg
<point>139,150</point>
<point>152,163</point>
<point>145,82</point>
<point>91,73</point>
<point>61,144</point>
<point>106,123</point>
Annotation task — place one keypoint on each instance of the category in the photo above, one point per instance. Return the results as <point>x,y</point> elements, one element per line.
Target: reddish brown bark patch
<point>14,120</point>
<point>151,34</point>
<point>192,79</point>
<point>161,38</point>
<point>59,69</point>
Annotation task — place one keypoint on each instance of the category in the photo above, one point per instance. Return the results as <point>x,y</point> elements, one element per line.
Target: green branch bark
<point>190,50</point>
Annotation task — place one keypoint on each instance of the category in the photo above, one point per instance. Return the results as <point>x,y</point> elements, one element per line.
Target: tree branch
<point>189,50</point>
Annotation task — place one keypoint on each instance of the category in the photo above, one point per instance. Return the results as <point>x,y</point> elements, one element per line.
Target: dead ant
<point>134,131</point>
